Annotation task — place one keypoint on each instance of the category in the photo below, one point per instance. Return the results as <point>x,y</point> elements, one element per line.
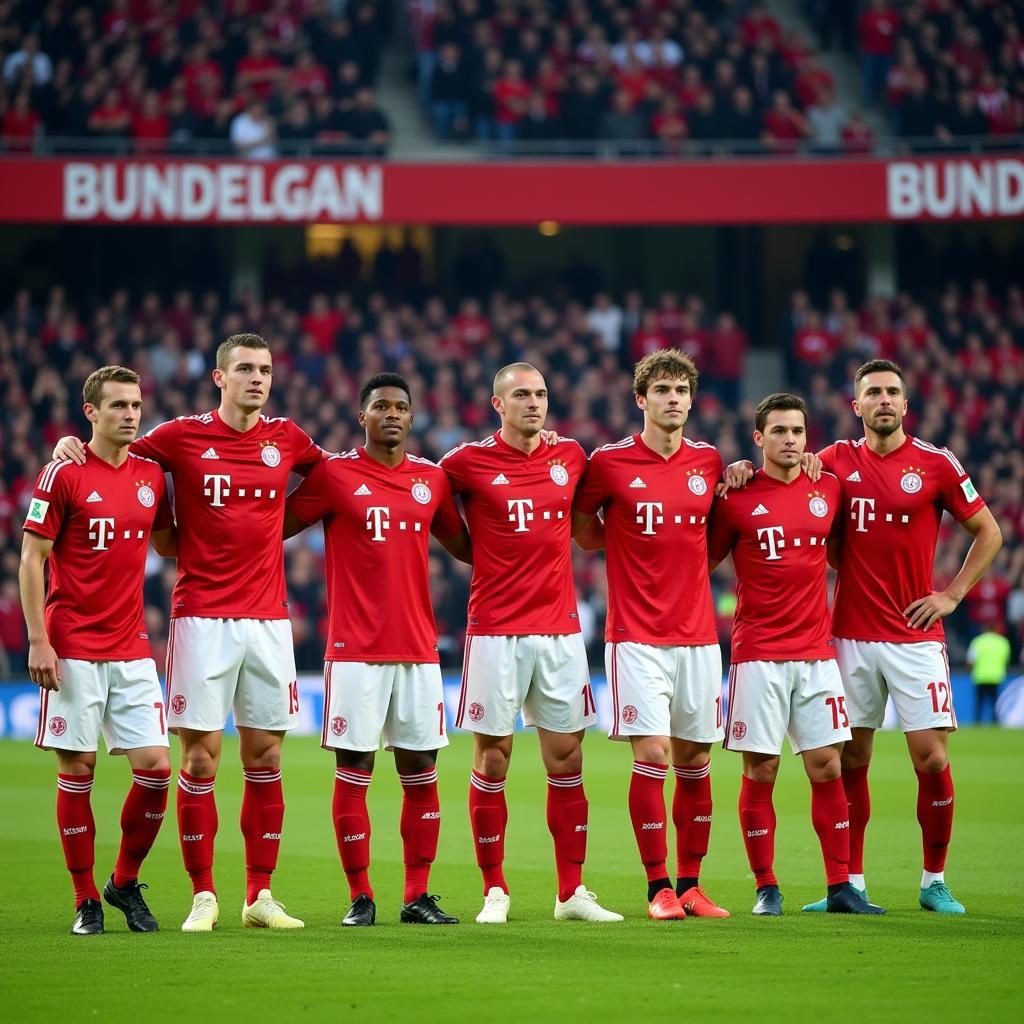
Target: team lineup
<point>665,511</point>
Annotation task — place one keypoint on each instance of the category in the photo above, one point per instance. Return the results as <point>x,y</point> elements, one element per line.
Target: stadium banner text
<point>755,191</point>
<point>19,704</point>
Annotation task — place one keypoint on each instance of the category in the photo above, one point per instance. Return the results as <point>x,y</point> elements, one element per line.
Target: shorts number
<point>160,711</point>
<point>293,698</point>
<point>940,698</point>
<point>838,706</point>
<point>440,718</point>
<point>718,712</point>
<point>589,706</point>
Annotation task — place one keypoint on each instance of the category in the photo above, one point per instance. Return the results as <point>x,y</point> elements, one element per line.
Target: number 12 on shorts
<point>840,719</point>
<point>940,697</point>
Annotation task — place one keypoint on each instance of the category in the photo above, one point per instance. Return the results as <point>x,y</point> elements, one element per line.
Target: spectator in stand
<point>307,77</point>
<point>368,124</point>
<point>726,359</point>
<point>21,125</point>
<point>989,657</point>
<point>449,93</point>
<point>29,61</point>
<point>537,124</point>
<point>295,130</point>
<point>604,318</point>
<point>784,127</point>
<point>484,77</point>
<point>111,118</point>
<point>964,122</point>
<point>669,126</point>
<point>253,133</point>
<point>918,115</point>
<point>151,127</point>
<point>259,70</point>
<point>825,120</point>
<point>623,126</point>
<point>877,27</point>
<point>510,95</point>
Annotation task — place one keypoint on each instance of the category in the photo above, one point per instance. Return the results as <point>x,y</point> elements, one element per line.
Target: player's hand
<point>811,465</point>
<point>43,666</point>
<point>70,448</point>
<point>926,611</point>
<point>737,475</point>
<point>549,436</point>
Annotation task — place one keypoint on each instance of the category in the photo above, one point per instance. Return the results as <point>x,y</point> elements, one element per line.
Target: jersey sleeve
<point>309,501</point>
<point>447,521</point>
<point>828,458</point>
<point>721,533</point>
<point>51,500</point>
<point>307,452</point>
<point>956,491</point>
<point>453,465</point>
<point>160,443</point>
<point>593,493</point>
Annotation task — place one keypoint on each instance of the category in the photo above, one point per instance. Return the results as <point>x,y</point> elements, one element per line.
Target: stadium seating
<point>962,350</point>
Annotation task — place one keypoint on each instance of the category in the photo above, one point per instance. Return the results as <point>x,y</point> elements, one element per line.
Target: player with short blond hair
<point>89,651</point>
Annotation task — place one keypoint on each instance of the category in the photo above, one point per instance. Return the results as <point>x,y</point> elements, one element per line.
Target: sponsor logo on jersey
<point>854,477</point>
<point>559,473</point>
<point>968,488</point>
<point>58,726</point>
<point>637,482</point>
<point>652,826</point>
<point>147,499</point>
<point>270,454</point>
<point>739,730</point>
<point>696,482</point>
<point>500,480</point>
<point>37,510</point>
<point>760,511</point>
<point>93,497</point>
<point>818,505</point>
<point>421,492</point>
<point>911,480</point>
<point>338,725</point>
<point>362,491</point>
<point>209,454</point>
<point>476,712</point>
<point>629,714</point>
<point>178,704</point>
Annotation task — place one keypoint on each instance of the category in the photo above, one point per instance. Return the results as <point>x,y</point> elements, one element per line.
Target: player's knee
<point>931,761</point>
<point>492,762</point>
<point>407,762</point>
<point>76,762</point>
<point>762,771</point>
<point>360,759</point>
<point>652,749</point>
<point>199,762</point>
<point>156,760</point>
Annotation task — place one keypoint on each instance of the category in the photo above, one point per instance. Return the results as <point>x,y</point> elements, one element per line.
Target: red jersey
<point>778,534</point>
<point>377,525</point>
<point>519,509</point>
<point>99,518</point>
<point>655,527</point>
<point>892,507</point>
<point>229,494</point>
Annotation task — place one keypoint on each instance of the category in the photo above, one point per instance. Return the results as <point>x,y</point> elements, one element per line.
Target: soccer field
<point>908,965</point>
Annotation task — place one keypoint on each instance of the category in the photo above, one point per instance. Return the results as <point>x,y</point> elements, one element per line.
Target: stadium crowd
<point>963,351</point>
<point>260,76</point>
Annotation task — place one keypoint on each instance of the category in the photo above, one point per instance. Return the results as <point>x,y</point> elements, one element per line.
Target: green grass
<point>908,965</point>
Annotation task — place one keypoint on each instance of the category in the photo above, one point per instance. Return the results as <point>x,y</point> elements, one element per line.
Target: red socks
<point>197,829</point>
<point>757,821</point>
<point>488,816</point>
<point>567,822</point>
<point>858,800</point>
<point>352,827</point>
<point>261,821</point>
<point>691,815</point>
<point>935,816</point>
<point>141,818</point>
<point>647,812</point>
<point>77,833</point>
<point>830,817</point>
<point>420,827</point>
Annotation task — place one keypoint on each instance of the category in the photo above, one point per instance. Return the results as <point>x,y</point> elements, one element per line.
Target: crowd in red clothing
<point>176,75</point>
<point>962,354</point>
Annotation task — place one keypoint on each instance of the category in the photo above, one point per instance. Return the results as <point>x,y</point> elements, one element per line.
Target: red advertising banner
<point>776,191</point>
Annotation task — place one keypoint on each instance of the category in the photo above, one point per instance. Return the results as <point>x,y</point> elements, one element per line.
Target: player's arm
<point>293,524</point>
<point>988,539</point>
<point>165,542</point>
<point>721,535</point>
<point>43,666</point>
<point>587,531</point>
<point>458,546</point>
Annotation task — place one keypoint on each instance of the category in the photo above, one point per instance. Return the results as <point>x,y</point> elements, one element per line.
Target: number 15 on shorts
<point>840,719</point>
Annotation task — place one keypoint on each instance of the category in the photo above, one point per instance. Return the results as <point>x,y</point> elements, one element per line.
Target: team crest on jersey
<point>476,712</point>
<point>421,492</point>
<point>559,473</point>
<point>629,714</point>
<point>696,482</point>
<point>739,730</point>
<point>58,726</point>
<point>818,505</point>
<point>338,725</point>
<point>147,499</point>
<point>178,704</point>
<point>911,480</point>
<point>270,454</point>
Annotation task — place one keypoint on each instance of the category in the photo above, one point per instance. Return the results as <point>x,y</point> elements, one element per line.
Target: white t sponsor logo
<point>216,488</point>
<point>862,510</point>
<point>772,538</point>
<point>520,512</point>
<point>101,530</point>
<point>648,516</point>
<point>378,519</point>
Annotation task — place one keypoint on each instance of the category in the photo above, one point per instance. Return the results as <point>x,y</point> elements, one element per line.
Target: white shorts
<point>769,700</point>
<point>403,704</point>
<point>544,676</point>
<point>665,691</point>
<point>243,665</point>
<point>915,675</point>
<point>120,699</point>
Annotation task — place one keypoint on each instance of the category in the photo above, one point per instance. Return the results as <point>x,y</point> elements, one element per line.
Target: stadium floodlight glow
<point>549,228</point>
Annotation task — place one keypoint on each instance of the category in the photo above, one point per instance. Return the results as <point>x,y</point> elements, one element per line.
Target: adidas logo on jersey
<point>760,511</point>
<point>638,483</point>
<point>499,480</point>
<point>93,497</point>
<point>209,454</point>
<point>362,491</point>
<point>854,477</point>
